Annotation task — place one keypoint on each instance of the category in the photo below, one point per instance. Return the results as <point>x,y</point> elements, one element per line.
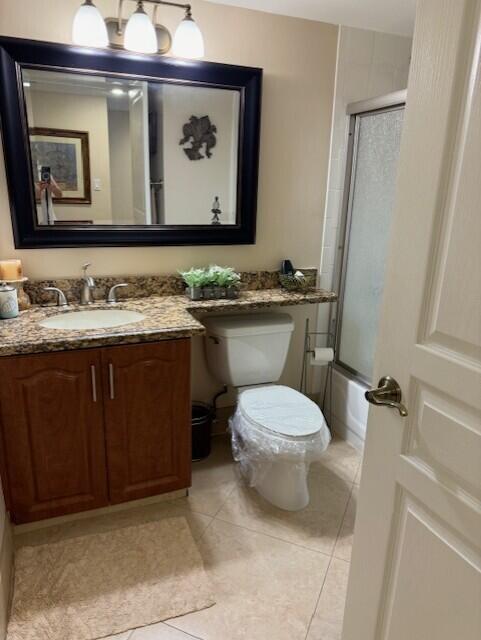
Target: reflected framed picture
<point>63,157</point>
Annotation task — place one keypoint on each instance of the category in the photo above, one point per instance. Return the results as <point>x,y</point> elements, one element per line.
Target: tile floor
<point>276,575</point>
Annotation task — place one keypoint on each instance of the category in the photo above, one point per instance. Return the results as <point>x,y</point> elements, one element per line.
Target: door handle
<point>389,394</point>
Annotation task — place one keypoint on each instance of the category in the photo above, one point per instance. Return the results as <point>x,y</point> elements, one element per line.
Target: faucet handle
<point>61,299</point>
<point>112,297</point>
<point>85,267</point>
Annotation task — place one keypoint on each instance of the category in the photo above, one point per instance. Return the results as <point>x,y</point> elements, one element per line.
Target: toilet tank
<point>247,349</point>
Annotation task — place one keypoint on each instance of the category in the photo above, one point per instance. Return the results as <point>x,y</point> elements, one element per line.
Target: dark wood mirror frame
<point>16,54</point>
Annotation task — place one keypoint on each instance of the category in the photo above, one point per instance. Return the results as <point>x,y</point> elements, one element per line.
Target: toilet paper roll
<point>322,356</point>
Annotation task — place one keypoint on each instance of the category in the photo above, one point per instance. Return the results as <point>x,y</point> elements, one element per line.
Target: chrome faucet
<point>88,286</point>
<point>112,295</point>
<point>61,299</point>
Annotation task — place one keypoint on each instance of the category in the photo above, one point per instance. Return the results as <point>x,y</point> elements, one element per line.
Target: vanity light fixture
<point>88,27</point>
<point>188,39</point>
<point>139,33</point>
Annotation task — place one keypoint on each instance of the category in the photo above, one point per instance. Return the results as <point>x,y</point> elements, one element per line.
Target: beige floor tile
<point>265,588</point>
<point>325,630</point>
<point>212,479</point>
<point>315,527</point>
<point>330,608</point>
<point>120,636</point>
<point>107,522</point>
<point>340,458</point>
<point>344,541</point>
<point>160,632</point>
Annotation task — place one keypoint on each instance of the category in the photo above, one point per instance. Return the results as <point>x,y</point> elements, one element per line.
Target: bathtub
<point>349,409</point>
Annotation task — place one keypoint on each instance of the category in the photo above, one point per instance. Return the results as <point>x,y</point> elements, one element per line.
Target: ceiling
<point>391,16</point>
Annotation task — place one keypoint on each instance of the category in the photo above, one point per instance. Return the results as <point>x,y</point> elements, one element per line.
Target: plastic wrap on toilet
<point>256,449</point>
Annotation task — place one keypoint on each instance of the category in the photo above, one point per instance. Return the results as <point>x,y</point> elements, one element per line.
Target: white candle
<point>11,269</point>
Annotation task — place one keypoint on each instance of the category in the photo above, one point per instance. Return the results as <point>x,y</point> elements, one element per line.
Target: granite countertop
<point>166,317</point>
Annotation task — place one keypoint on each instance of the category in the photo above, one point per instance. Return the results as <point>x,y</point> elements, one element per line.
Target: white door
<point>139,144</point>
<point>416,565</point>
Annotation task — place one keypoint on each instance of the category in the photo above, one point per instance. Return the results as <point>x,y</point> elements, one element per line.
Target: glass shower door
<point>374,153</point>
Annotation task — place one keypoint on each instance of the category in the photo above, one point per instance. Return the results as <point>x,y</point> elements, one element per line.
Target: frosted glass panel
<point>372,198</point>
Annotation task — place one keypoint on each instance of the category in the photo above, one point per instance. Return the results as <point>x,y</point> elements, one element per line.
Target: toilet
<point>276,431</point>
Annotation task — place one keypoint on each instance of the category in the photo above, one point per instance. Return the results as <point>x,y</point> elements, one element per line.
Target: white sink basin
<point>92,319</point>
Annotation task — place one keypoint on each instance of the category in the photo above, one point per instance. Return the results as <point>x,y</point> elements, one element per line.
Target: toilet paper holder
<point>310,351</point>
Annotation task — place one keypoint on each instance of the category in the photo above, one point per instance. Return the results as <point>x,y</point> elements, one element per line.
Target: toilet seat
<point>282,411</point>
<point>276,434</point>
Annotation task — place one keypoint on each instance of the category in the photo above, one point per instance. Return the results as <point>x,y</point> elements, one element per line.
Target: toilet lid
<point>282,410</point>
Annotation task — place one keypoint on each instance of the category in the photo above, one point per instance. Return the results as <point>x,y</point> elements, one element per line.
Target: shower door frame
<point>355,111</point>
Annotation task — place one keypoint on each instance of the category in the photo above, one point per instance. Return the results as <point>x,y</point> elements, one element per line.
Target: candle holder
<point>23,299</point>
<point>10,269</point>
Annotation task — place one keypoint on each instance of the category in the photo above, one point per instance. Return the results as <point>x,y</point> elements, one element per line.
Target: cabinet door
<point>147,418</point>
<point>52,423</point>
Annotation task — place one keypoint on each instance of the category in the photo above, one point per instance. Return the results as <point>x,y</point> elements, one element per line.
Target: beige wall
<point>79,113</point>
<point>298,58</point>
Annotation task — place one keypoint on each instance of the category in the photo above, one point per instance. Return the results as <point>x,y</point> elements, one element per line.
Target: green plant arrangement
<point>211,282</point>
<point>194,278</point>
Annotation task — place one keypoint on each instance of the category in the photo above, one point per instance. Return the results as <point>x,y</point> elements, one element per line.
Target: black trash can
<point>201,430</point>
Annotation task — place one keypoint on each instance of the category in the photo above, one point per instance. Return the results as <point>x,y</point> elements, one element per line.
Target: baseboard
<point>6,578</point>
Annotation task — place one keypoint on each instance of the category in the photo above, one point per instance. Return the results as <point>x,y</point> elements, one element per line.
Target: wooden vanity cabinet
<point>52,434</point>
<point>147,418</point>
<point>82,429</point>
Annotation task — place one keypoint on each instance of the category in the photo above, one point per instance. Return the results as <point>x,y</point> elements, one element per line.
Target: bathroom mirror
<point>110,149</point>
<point>121,151</point>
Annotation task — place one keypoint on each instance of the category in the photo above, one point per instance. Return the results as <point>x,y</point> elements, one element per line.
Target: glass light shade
<point>140,33</point>
<point>188,40</point>
<point>89,27</point>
